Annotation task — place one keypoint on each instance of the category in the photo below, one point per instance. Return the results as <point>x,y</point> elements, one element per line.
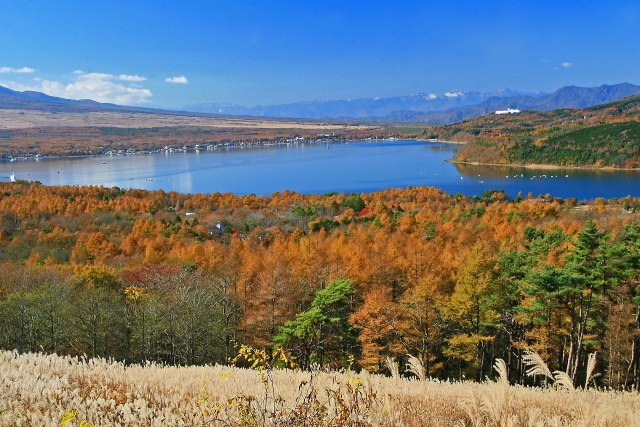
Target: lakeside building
<point>508,111</point>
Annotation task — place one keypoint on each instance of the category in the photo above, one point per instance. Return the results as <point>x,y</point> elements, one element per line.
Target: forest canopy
<point>336,280</point>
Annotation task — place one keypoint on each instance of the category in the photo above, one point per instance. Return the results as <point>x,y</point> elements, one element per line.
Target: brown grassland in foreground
<point>39,390</point>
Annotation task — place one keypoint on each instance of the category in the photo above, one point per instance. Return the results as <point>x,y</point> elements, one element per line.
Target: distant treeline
<point>75,141</point>
<point>613,144</point>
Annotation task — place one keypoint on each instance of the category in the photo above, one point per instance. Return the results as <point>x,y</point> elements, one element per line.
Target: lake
<point>320,168</point>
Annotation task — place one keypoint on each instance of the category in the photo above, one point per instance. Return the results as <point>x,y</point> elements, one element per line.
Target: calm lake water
<point>320,168</point>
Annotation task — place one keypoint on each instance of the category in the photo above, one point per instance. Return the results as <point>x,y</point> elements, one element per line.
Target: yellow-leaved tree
<point>470,311</point>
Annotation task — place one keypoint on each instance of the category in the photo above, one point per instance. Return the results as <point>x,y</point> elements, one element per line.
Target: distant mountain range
<point>450,107</point>
<point>565,97</point>
<point>358,109</point>
<point>427,108</point>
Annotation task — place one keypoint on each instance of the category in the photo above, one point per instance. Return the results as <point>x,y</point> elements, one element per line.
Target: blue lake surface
<point>320,168</point>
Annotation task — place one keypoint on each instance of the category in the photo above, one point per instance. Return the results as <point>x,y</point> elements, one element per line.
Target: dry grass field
<point>30,132</point>
<point>48,390</point>
<point>25,119</point>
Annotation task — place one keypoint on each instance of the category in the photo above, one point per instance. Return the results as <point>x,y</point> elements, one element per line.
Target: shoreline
<point>441,142</point>
<point>545,166</point>
<point>295,141</point>
<point>213,147</point>
<point>198,148</point>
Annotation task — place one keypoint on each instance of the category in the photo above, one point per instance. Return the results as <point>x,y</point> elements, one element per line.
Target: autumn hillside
<point>336,280</point>
<point>605,135</point>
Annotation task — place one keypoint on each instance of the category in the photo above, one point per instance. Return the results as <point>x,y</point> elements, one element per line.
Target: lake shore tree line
<point>336,280</point>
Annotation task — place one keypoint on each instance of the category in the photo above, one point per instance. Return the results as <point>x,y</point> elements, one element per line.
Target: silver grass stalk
<point>392,365</point>
<point>468,402</point>
<point>536,365</point>
<point>495,401</point>
<point>414,365</point>
<point>501,369</point>
<point>591,366</point>
<point>562,380</point>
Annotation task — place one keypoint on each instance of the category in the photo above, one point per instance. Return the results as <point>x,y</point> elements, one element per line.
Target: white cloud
<point>131,78</point>
<point>567,64</point>
<point>94,76</point>
<point>21,70</point>
<point>181,80</point>
<point>101,87</point>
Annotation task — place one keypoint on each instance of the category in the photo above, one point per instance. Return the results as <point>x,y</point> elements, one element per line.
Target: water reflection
<point>560,182</point>
<point>511,172</point>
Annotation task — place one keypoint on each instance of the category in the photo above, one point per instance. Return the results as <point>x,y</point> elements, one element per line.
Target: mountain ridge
<point>356,109</point>
<point>429,108</point>
<point>423,108</point>
<point>33,100</point>
<point>565,97</point>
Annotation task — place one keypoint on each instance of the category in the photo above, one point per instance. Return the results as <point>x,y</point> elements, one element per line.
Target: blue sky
<point>282,51</point>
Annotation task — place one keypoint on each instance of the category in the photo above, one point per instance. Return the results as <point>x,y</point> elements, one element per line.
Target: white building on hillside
<point>508,111</point>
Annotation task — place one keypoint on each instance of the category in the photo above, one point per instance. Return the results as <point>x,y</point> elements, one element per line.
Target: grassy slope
<point>606,135</point>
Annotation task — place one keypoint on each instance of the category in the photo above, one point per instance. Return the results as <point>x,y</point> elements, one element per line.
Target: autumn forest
<point>340,281</point>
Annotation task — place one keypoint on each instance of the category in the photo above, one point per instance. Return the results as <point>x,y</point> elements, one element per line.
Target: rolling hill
<point>30,100</point>
<point>606,135</point>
